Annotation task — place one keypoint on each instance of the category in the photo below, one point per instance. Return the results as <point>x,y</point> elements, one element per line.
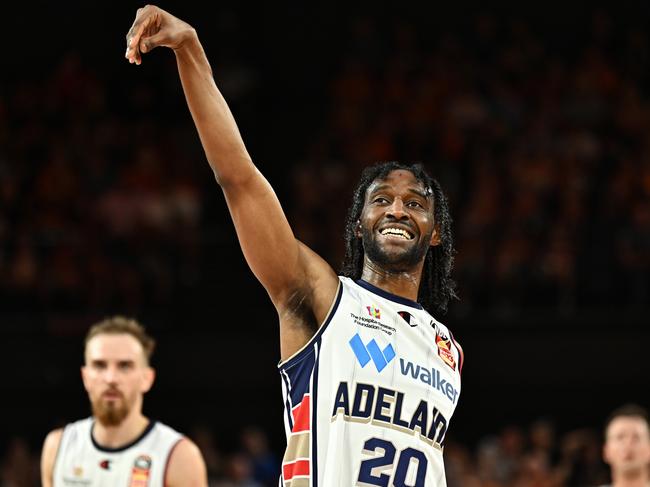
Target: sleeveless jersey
<point>81,462</point>
<point>369,399</point>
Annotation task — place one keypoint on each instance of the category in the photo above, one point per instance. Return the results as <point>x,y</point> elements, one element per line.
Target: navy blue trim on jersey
<point>314,421</point>
<point>390,296</point>
<point>297,373</point>
<point>107,449</point>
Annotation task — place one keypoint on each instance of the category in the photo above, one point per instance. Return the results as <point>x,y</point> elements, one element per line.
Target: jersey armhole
<point>461,353</point>
<point>306,348</point>
<point>169,456</point>
<point>58,451</point>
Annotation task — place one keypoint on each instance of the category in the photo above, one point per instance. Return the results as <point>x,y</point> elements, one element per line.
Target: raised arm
<point>289,271</point>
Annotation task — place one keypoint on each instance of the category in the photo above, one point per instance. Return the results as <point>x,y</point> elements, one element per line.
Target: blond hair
<point>116,325</point>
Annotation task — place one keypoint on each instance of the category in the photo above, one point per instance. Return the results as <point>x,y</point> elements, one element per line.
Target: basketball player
<point>370,378</point>
<point>627,446</point>
<point>118,446</point>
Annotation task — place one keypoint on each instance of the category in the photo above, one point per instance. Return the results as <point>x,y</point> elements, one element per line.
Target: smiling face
<point>396,224</point>
<point>627,445</point>
<point>115,375</point>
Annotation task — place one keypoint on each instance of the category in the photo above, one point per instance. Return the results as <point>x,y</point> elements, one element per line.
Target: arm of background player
<point>186,467</point>
<point>48,456</point>
<point>283,266</point>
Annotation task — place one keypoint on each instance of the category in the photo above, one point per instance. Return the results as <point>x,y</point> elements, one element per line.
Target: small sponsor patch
<point>444,350</point>
<point>374,312</point>
<point>140,471</point>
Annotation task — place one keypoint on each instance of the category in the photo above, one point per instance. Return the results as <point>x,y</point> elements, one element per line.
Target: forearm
<point>214,121</point>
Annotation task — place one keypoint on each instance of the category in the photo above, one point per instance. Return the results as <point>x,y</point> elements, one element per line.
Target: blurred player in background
<point>118,445</point>
<point>627,446</point>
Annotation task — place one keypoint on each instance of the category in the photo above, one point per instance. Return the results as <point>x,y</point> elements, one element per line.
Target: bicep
<point>48,456</point>
<point>186,467</point>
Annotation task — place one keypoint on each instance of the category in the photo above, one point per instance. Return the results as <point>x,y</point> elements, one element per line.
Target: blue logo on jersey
<point>366,353</point>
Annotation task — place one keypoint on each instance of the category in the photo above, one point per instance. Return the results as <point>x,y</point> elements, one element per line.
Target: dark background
<point>542,108</point>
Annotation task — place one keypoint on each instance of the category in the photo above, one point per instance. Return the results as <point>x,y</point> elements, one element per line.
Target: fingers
<point>134,43</point>
<point>147,43</point>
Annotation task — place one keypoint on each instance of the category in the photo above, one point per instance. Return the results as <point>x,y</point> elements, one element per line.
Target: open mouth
<point>396,232</point>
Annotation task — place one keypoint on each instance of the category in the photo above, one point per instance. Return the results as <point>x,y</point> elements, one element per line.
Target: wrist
<point>189,40</point>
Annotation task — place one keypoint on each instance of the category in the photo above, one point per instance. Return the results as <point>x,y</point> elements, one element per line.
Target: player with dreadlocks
<point>370,377</point>
<point>436,287</point>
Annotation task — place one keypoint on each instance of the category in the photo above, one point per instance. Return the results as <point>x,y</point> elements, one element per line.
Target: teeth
<point>396,231</point>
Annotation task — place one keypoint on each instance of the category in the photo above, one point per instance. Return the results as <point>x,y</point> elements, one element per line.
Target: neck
<point>638,478</point>
<point>122,434</point>
<point>401,283</point>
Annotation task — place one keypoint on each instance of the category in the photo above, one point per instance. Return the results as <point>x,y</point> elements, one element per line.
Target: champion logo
<point>408,317</point>
<point>371,351</point>
<point>105,464</point>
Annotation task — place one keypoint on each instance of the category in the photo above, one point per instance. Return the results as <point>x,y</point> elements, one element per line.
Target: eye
<point>380,200</point>
<point>125,366</point>
<point>415,204</point>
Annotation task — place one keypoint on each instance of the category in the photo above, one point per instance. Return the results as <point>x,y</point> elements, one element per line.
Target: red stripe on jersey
<point>291,470</point>
<point>301,414</point>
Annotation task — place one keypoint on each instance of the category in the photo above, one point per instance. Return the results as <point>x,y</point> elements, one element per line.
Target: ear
<point>148,377</point>
<point>84,376</point>
<point>435,236</point>
<point>357,229</point>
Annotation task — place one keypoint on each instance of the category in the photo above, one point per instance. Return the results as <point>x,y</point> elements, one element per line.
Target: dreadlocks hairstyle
<point>436,285</point>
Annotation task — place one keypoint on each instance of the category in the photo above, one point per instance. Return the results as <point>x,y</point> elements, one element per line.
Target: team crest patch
<point>140,471</point>
<point>444,350</point>
<point>374,312</point>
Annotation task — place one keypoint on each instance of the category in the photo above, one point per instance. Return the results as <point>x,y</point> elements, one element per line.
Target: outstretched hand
<point>154,27</point>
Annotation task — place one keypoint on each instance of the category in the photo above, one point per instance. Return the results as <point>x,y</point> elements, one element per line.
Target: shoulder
<point>52,440</point>
<point>185,465</point>
<point>48,454</point>
<point>165,429</point>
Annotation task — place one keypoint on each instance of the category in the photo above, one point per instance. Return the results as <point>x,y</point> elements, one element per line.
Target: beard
<point>110,413</point>
<point>400,261</point>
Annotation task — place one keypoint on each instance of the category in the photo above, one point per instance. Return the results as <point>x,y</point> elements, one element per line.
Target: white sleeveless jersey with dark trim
<point>80,461</point>
<point>369,399</point>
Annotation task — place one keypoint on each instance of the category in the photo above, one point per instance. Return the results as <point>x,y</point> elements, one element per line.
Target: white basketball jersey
<point>369,399</point>
<point>80,461</point>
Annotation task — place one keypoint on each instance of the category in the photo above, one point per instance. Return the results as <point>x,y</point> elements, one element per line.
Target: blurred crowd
<point>99,205</point>
<point>540,143</point>
<point>535,455</point>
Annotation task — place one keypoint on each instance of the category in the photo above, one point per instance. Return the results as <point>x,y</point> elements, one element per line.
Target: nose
<point>110,375</point>
<point>396,209</point>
